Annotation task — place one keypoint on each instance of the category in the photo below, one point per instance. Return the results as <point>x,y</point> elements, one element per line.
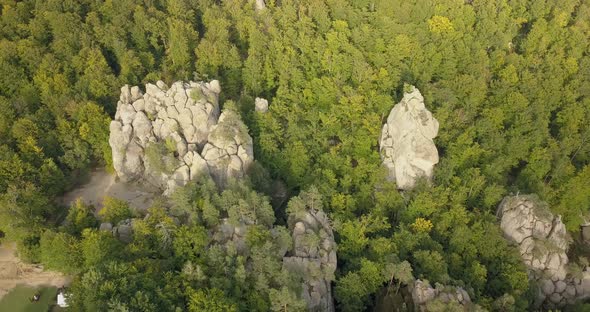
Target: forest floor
<point>14,272</point>
<point>101,184</point>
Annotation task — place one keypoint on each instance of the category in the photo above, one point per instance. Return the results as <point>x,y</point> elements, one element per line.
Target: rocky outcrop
<point>260,5</point>
<point>106,227</point>
<point>123,231</point>
<point>313,258</point>
<point>543,242</point>
<point>406,145</point>
<point>228,152</point>
<point>424,295</point>
<point>228,234</point>
<point>169,136</point>
<point>261,105</point>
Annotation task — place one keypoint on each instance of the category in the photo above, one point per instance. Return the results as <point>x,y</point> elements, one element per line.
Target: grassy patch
<point>18,300</point>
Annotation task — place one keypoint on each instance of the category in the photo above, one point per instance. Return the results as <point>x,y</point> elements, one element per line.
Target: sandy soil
<point>102,184</point>
<point>13,272</point>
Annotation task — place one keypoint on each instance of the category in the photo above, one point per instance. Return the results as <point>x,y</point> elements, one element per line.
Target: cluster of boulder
<point>171,135</point>
<point>424,295</point>
<point>313,257</point>
<point>123,230</point>
<point>406,145</point>
<point>543,242</point>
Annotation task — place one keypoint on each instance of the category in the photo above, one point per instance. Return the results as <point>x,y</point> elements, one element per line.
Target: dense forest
<point>508,80</point>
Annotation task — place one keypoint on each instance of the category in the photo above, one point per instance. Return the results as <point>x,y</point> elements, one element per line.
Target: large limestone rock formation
<point>406,145</point>
<point>424,295</point>
<point>543,241</point>
<point>169,136</point>
<point>313,257</point>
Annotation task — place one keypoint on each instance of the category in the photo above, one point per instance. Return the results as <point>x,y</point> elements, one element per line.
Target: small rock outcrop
<point>169,136</point>
<point>313,257</point>
<point>543,242</point>
<point>260,5</point>
<point>424,295</point>
<point>406,145</point>
<point>123,231</point>
<point>106,227</point>
<point>261,105</point>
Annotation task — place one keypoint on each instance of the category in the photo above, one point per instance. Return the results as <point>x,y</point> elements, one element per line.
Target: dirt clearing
<point>103,184</point>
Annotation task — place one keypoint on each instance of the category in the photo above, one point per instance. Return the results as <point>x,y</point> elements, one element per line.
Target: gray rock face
<point>406,145</point>
<point>530,225</point>
<point>261,105</point>
<point>171,135</point>
<point>313,258</point>
<point>423,294</point>
<point>543,241</point>
<point>228,234</point>
<point>228,152</point>
<point>124,231</point>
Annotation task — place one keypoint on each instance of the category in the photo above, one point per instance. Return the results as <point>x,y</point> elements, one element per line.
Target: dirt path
<point>102,184</point>
<point>14,272</point>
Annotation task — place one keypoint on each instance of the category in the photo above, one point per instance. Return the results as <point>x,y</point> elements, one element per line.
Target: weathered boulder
<point>260,5</point>
<point>261,105</point>
<point>171,135</point>
<point>228,151</point>
<point>124,231</point>
<point>313,257</point>
<point>529,223</point>
<point>227,234</point>
<point>543,242</point>
<point>423,294</point>
<point>106,227</point>
<point>406,145</point>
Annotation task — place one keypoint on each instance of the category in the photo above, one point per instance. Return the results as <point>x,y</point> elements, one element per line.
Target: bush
<point>114,210</point>
<point>80,216</point>
<point>60,251</point>
<point>160,157</point>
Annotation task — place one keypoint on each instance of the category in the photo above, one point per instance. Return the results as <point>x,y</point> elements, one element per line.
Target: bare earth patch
<point>13,272</point>
<point>103,184</point>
